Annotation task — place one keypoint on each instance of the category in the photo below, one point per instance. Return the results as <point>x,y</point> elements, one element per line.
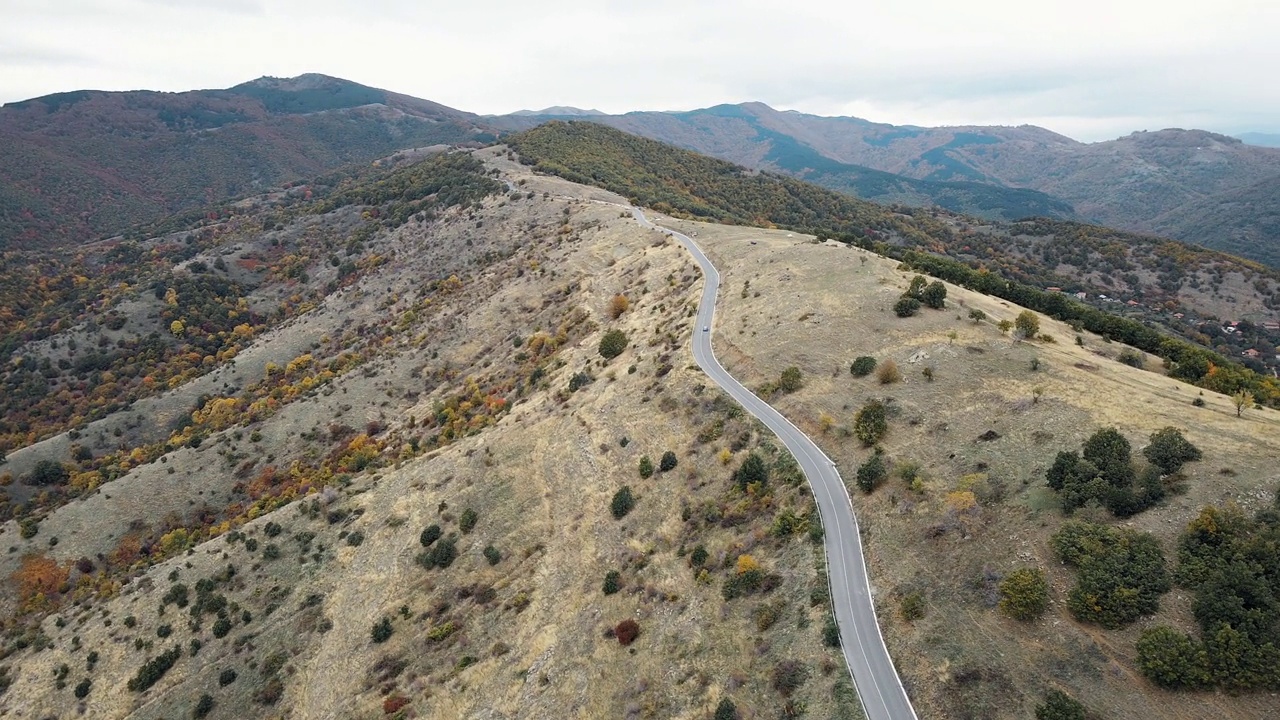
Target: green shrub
<point>906,307</point>
<point>1132,358</point>
<point>154,669</point>
<point>1173,659</point>
<point>82,688</point>
<point>221,627</point>
<point>622,503</point>
<point>862,366</point>
<point>668,461</point>
<point>1058,705</point>
<point>699,556</point>
<point>355,539</point>
<point>977,315</point>
<point>431,534</point>
<point>1024,594</point>
<point>492,554</point>
<point>912,606</point>
<point>382,630</point>
<point>753,470</point>
<point>1121,576</point>
<point>226,677</point>
<point>934,295</point>
<point>611,582</point>
<point>612,344</point>
<point>203,707</point>
<point>831,633</point>
<point>792,380</point>
<point>467,521</point>
<point>871,422</point>
<point>726,710</point>
<point>440,555</point>
<point>872,472</point>
<point>1169,450</point>
<point>646,467</point>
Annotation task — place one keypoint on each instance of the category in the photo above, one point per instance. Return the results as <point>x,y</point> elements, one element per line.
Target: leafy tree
<point>48,472</point>
<point>871,422</point>
<point>622,503</point>
<point>1109,451</point>
<point>752,470</point>
<point>872,472</point>
<point>862,366</point>
<point>906,307</point>
<point>935,295</point>
<point>668,461</point>
<point>1024,594</point>
<point>1122,573</point>
<point>1242,400</point>
<point>1058,705</point>
<point>977,315</point>
<point>1027,324</point>
<point>791,380</point>
<point>612,344</point>
<point>1004,326</point>
<point>646,467</point>
<point>916,288</point>
<point>1168,450</point>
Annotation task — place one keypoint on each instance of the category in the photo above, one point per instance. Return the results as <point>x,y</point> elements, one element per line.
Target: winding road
<point>880,689</point>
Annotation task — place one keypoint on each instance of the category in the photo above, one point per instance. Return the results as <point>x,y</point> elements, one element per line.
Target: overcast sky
<point>1091,69</point>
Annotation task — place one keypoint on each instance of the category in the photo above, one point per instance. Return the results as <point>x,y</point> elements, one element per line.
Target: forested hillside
<point>141,316</point>
<point>81,165</point>
<point>1161,277</point>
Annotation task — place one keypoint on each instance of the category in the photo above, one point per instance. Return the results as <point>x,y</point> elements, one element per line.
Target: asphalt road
<point>881,691</point>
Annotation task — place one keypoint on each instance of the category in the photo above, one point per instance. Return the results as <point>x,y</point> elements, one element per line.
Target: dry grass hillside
<point>987,422</point>
<point>480,406</point>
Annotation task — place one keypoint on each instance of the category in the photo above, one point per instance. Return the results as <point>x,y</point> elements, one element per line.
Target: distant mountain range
<point>1142,182</point>
<point>84,164</point>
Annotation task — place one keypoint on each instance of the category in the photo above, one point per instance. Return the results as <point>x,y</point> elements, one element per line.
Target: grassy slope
<point>529,632</point>
<point>819,306</point>
<point>1162,275</point>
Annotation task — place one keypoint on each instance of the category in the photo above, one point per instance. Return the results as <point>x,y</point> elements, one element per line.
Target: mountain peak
<point>558,111</point>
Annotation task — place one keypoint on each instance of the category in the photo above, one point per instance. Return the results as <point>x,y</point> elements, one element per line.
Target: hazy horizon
<point>1087,69</point>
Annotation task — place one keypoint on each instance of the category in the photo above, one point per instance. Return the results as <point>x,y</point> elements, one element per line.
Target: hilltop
<point>86,164</point>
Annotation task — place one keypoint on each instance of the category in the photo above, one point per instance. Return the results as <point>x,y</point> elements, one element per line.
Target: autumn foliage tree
<point>618,305</point>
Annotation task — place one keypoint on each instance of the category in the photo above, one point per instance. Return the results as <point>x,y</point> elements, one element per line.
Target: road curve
<point>880,689</point>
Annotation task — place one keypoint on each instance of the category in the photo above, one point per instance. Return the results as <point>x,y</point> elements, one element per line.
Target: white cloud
<point>1089,68</point>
